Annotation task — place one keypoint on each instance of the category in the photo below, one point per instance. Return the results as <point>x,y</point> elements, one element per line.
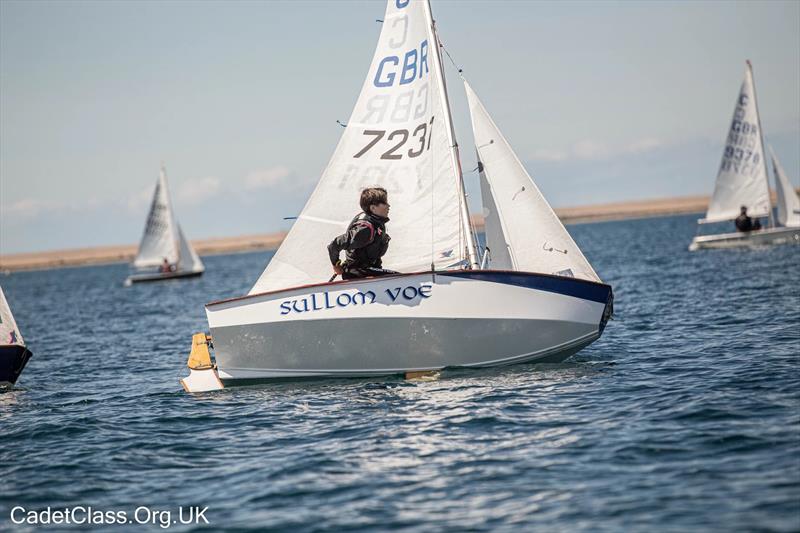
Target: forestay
<point>398,137</point>
<point>742,177</point>
<point>9,334</point>
<point>160,239</point>
<point>788,200</point>
<point>521,227</point>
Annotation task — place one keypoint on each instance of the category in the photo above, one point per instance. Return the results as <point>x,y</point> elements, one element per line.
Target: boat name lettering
<point>325,300</point>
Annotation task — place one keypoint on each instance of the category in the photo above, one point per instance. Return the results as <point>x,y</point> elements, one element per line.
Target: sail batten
<point>398,138</point>
<point>523,221</point>
<point>742,178</point>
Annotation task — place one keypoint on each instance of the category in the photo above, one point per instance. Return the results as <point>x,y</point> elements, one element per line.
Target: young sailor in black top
<point>365,241</point>
<point>744,223</point>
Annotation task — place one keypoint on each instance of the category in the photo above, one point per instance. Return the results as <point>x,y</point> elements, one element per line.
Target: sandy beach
<point>223,245</point>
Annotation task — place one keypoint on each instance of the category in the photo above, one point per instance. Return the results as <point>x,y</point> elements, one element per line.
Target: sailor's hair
<point>372,196</point>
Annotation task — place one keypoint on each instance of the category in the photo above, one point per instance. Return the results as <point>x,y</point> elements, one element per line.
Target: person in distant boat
<point>744,223</point>
<point>365,241</point>
<point>166,267</point>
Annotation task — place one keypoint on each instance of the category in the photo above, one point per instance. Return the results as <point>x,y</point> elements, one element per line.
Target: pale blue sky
<point>603,101</point>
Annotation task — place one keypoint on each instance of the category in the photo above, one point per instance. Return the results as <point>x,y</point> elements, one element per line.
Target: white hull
<point>749,239</point>
<point>406,323</point>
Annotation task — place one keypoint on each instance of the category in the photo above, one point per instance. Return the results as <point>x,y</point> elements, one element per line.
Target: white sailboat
<point>14,355</point>
<point>539,300</point>
<point>743,180</point>
<point>163,245</point>
<point>788,199</point>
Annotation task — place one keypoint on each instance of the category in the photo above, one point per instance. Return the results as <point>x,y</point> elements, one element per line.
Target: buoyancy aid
<point>365,242</point>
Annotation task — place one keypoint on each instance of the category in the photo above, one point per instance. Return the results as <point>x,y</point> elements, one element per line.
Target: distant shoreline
<point>264,242</point>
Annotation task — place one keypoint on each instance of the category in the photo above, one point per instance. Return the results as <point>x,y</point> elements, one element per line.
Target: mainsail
<point>742,178</point>
<point>160,239</point>
<point>9,333</point>
<point>399,137</point>
<point>788,200</point>
<point>521,227</point>
<point>163,236</point>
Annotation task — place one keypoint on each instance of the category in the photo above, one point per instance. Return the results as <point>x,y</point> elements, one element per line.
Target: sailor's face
<point>382,210</point>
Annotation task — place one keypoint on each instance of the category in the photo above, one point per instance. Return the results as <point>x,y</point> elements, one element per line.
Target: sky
<point>602,101</point>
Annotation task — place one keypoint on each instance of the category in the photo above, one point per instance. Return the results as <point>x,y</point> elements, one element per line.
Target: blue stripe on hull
<point>586,290</point>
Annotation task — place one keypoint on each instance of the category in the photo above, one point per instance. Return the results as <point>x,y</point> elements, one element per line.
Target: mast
<point>761,139</point>
<point>451,137</point>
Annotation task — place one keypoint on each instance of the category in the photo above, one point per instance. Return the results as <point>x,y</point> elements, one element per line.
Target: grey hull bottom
<point>386,346</point>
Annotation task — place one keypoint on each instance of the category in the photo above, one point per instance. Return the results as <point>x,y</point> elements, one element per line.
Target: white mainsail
<point>160,239</point>
<point>9,333</point>
<point>399,137</point>
<point>529,229</point>
<point>742,178</point>
<point>163,236</point>
<point>788,200</point>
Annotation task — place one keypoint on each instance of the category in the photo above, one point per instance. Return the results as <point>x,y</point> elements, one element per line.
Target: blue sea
<point>684,416</point>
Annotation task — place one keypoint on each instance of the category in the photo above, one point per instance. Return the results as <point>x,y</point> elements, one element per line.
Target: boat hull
<point>406,323</point>
<point>161,276</point>
<point>766,237</point>
<point>13,359</point>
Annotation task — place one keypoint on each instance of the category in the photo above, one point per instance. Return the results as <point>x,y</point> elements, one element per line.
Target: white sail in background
<point>496,242</point>
<point>189,260</point>
<point>537,239</point>
<point>788,200</point>
<point>398,137</point>
<point>160,237</point>
<point>742,178</point>
<point>9,333</point>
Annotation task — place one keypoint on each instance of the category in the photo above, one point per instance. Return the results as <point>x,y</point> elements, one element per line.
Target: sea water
<point>685,415</point>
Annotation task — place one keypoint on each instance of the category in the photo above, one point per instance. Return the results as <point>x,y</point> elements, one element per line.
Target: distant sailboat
<point>743,181</point>
<point>540,301</point>
<point>163,244</point>
<point>14,354</point>
<point>788,200</point>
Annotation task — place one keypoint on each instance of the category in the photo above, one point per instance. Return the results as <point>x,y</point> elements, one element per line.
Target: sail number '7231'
<point>397,138</point>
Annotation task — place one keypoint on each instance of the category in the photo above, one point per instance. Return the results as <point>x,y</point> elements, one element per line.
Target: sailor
<point>365,241</point>
<point>166,267</point>
<point>744,223</point>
